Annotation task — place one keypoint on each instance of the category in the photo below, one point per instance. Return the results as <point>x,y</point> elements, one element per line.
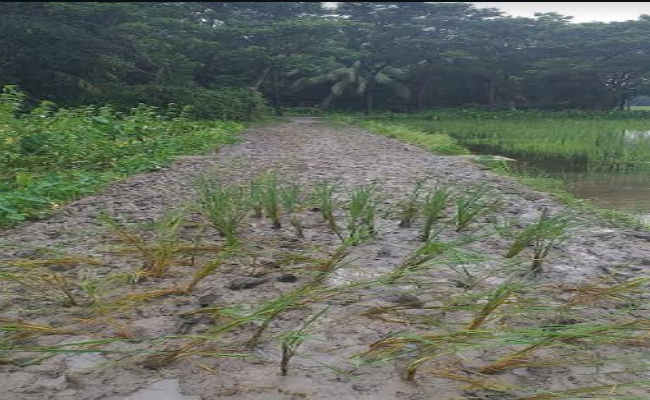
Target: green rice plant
<point>537,339</point>
<point>423,348</point>
<point>268,194</point>
<point>547,226</point>
<point>49,284</point>
<point>256,198</point>
<point>207,270</point>
<point>224,207</point>
<point>613,391</point>
<point>593,293</point>
<point>292,340</point>
<point>71,260</point>
<point>290,196</point>
<point>434,204</point>
<point>158,248</point>
<point>270,310</point>
<point>429,251</point>
<point>594,139</point>
<point>323,194</point>
<point>408,209</point>
<point>543,235</point>
<point>498,297</point>
<point>361,212</point>
<point>473,204</point>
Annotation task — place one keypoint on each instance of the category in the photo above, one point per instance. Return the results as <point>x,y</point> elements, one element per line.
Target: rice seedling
<point>158,247</point>
<point>71,260</point>
<point>49,284</point>
<point>537,339</point>
<point>323,194</point>
<point>473,382</point>
<point>598,143</point>
<point>292,340</point>
<point>613,391</point>
<point>306,293</point>
<point>207,270</point>
<point>543,235</point>
<point>256,198</point>
<point>290,196</point>
<point>473,204</point>
<point>24,328</point>
<point>424,348</point>
<point>361,212</point>
<point>422,256</point>
<point>224,207</point>
<point>409,208</point>
<point>434,204</point>
<point>590,294</point>
<point>498,297</point>
<point>269,195</point>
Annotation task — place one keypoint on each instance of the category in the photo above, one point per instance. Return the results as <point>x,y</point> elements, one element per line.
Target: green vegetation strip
<point>439,143</point>
<point>50,156</point>
<point>443,143</point>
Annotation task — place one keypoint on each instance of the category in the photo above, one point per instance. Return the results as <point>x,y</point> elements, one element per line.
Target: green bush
<point>228,104</point>
<point>49,156</point>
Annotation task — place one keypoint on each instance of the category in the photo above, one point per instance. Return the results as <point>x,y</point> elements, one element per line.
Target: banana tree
<point>360,79</point>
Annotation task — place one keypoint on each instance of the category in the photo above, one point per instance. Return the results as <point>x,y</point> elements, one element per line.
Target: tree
<point>360,79</point>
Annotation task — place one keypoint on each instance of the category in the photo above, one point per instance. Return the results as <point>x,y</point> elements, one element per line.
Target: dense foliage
<point>49,156</point>
<point>358,55</point>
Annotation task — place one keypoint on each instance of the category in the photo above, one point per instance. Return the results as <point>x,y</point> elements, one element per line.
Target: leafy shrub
<point>49,156</point>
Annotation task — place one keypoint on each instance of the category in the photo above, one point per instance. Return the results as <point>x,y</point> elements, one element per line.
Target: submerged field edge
<point>444,144</point>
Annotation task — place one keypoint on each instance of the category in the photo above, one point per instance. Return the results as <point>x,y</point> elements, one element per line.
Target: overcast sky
<point>582,12</point>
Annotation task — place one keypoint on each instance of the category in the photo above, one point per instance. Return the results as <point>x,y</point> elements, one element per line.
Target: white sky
<point>582,12</point>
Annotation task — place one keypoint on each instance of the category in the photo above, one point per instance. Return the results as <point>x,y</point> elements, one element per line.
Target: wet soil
<point>305,151</point>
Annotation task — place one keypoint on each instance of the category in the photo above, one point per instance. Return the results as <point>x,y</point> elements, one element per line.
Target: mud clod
<point>245,283</point>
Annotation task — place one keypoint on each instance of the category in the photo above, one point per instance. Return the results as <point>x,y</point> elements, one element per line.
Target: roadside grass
<point>51,156</point>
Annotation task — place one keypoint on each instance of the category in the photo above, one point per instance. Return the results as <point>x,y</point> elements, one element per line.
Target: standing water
<point>616,188</point>
<point>601,158</point>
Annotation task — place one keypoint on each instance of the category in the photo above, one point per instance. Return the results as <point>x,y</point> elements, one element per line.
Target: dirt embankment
<point>307,151</point>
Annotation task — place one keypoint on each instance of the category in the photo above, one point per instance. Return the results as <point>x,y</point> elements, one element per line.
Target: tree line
<point>398,56</point>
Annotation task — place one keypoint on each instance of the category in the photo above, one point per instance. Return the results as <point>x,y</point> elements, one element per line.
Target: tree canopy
<point>355,55</point>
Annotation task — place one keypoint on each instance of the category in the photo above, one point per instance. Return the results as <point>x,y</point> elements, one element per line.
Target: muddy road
<point>146,348</point>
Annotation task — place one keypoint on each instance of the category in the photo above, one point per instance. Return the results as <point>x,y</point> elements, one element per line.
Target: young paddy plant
<point>323,195</point>
<point>408,209</point>
<point>52,285</point>
<point>292,340</point>
<point>225,207</point>
<point>266,193</point>
<point>291,198</point>
<point>158,247</point>
<point>473,204</point>
<point>497,298</point>
<point>433,205</point>
<point>361,213</point>
<point>543,235</point>
<point>536,339</point>
<point>590,294</point>
<point>421,257</point>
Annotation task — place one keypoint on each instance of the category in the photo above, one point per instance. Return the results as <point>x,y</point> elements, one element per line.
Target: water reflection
<point>617,189</point>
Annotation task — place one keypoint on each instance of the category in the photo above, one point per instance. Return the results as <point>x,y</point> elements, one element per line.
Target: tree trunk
<point>421,98</point>
<point>368,106</point>
<point>492,93</point>
<point>260,80</point>
<point>277,97</point>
